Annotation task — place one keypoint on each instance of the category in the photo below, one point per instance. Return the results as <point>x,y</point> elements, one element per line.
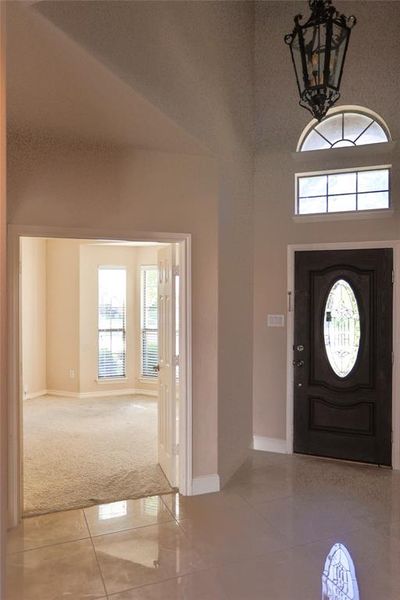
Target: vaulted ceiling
<point>55,87</point>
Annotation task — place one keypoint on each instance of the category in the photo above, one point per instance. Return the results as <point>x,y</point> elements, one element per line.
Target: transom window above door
<point>346,191</point>
<point>345,128</point>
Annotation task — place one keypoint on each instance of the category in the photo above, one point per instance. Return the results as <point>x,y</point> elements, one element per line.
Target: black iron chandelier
<point>318,50</point>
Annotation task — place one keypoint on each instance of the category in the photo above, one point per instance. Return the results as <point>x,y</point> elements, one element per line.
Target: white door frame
<point>292,248</point>
<point>15,232</point>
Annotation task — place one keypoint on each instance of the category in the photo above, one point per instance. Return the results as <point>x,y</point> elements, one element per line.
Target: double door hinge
<point>175,270</point>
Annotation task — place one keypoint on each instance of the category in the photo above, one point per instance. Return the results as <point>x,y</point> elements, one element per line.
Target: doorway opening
<point>103,369</point>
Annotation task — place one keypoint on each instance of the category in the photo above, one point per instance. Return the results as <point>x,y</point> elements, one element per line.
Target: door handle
<point>156,367</point>
<point>298,363</point>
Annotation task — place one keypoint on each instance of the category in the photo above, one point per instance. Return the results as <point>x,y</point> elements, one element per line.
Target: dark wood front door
<point>342,354</point>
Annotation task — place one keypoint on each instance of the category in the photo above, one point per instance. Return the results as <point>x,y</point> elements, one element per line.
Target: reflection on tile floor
<point>284,528</point>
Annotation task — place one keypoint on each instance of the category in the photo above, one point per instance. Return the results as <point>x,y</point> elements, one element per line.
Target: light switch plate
<point>276,321</point>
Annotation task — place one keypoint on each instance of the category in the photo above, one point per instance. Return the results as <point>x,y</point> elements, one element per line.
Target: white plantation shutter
<point>112,322</point>
<point>149,321</point>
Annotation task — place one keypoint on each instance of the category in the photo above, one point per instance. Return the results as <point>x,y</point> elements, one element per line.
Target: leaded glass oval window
<point>342,328</point>
<point>344,128</point>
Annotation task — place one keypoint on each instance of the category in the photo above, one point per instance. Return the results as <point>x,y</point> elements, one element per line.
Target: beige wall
<point>176,193</point>
<point>59,314</point>
<point>195,62</point>
<point>279,124</point>
<point>33,316</point>
<point>3,303</point>
<point>63,315</point>
<point>274,230</point>
<point>152,192</point>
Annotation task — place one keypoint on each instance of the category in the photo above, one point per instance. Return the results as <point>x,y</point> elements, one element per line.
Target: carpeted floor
<point>91,451</point>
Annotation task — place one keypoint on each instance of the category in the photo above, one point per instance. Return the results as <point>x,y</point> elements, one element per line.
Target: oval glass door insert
<point>342,328</point>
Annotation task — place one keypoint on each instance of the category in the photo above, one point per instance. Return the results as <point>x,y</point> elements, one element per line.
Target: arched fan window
<point>348,127</point>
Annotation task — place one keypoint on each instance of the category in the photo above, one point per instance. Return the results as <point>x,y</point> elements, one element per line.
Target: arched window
<point>347,189</point>
<point>345,127</point>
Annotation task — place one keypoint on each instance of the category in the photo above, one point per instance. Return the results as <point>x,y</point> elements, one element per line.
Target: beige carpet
<point>83,452</point>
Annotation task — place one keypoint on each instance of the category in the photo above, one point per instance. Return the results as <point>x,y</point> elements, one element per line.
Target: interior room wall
<point>33,317</point>
<point>279,123</point>
<point>136,191</point>
<point>72,320</point>
<point>195,62</point>
<point>177,193</point>
<point>3,303</point>
<point>63,315</point>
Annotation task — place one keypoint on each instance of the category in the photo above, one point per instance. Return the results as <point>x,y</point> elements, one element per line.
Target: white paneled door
<point>167,361</point>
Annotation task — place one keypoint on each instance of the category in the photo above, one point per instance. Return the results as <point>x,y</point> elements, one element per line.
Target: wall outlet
<point>72,373</point>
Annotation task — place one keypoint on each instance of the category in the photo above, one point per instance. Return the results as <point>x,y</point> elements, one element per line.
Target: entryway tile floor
<point>284,528</point>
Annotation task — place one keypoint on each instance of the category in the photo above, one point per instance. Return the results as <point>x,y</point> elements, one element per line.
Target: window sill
<point>111,379</point>
<point>384,213</point>
<point>148,379</point>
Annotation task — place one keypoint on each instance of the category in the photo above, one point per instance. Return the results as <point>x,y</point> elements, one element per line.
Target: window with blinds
<point>112,322</point>
<point>149,320</point>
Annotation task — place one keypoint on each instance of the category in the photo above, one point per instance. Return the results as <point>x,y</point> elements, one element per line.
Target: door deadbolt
<point>298,363</point>
<point>300,348</point>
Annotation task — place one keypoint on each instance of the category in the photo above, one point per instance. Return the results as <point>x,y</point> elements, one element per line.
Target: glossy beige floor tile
<point>304,521</point>
<point>204,585</point>
<point>45,530</point>
<point>127,514</point>
<point>232,535</point>
<point>275,576</point>
<point>145,555</point>
<point>184,507</point>
<point>67,570</point>
<point>284,528</point>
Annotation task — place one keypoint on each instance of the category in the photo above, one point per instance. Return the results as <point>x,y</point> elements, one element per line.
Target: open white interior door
<point>167,360</point>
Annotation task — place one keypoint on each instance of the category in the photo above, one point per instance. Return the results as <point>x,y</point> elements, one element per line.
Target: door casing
<point>14,424</point>
<point>292,249</point>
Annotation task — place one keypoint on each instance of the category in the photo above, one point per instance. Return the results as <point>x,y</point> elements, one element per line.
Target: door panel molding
<point>291,250</point>
<point>363,412</point>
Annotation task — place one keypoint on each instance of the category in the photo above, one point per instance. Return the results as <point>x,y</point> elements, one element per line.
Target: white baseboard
<point>152,393</point>
<point>268,444</point>
<point>34,395</point>
<point>62,393</point>
<point>100,394</point>
<point>205,484</point>
<point>104,393</point>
